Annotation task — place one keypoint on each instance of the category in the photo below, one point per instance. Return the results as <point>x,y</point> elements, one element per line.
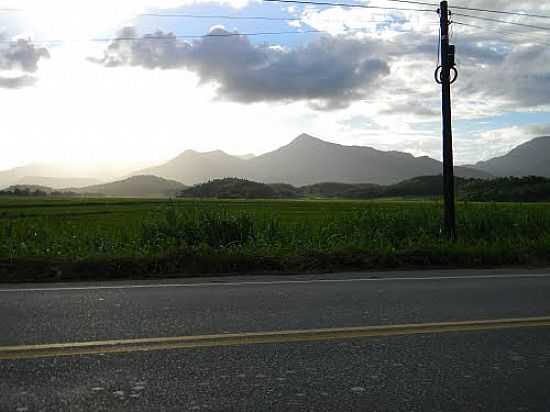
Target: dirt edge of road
<point>195,265</point>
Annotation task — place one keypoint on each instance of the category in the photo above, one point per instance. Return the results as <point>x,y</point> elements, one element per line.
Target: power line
<point>422,3</point>
<point>193,36</point>
<point>510,34</point>
<point>268,18</point>
<point>229,17</point>
<point>350,5</point>
<point>530,26</point>
<point>171,37</point>
<point>202,16</point>
<point>363,6</point>
<point>510,13</point>
<point>223,16</point>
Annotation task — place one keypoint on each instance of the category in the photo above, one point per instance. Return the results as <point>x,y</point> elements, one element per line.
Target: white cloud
<point>385,23</point>
<point>329,73</point>
<point>17,59</point>
<point>81,20</point>
<point>82,112</point>
<point>498,142</point>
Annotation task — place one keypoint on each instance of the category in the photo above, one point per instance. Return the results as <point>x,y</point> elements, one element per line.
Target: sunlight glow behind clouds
<point>83,112</point>
<point>80,20</point>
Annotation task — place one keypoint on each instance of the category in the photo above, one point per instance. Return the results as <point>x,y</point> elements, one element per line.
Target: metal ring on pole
<point>437,74</point>
<point>455,75</point>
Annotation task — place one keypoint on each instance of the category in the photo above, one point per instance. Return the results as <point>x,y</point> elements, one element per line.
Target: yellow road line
<point>236,339</point>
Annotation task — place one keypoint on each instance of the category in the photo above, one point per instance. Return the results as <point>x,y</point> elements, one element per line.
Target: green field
<point>79,238</point>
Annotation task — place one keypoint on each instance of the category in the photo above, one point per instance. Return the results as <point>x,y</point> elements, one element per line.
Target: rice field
<point>317,232</point>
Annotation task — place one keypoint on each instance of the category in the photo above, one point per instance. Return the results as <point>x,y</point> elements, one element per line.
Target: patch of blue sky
<point>11,24</point>
<point>200,26</point>
<point>472,128</point>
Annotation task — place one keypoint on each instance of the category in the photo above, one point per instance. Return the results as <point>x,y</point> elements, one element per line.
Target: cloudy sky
<point>70,93</point>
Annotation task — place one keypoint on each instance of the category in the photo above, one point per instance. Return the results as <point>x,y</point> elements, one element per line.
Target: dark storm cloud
<point>522,77</point>
<point>489,66</point>
<point>20,56</point>
<point>330,72</point>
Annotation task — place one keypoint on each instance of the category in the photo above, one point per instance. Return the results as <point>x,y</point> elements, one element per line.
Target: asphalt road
<point>485,370</point>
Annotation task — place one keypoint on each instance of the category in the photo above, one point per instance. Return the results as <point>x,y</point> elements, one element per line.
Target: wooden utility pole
<point>443,76</point>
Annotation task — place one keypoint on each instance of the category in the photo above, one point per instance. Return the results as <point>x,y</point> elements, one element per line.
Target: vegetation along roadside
<point>66,239</point>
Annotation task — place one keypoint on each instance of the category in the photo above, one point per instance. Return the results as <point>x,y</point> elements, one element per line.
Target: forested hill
<point>527,189</point>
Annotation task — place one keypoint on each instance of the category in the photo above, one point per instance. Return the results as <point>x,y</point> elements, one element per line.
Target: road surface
<point>417,341</point>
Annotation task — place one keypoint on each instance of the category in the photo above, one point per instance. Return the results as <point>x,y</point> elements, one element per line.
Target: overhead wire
<point>198,36</point>
<point>514,13</point>
<point>510,13</point>
<point>224,17</point>
<point>349,5</point>
<point>208,35</point>
<point>413,2</point>
<point>509,34</point>
<point>227,17</point>
<point>366,6</point>
<point>310,2</point>
<point>354,5</point>
<point>323,3</point>
<point>171,37</point>
<point>479,9</point>
<point>530,26</point>
<point>422,3</point>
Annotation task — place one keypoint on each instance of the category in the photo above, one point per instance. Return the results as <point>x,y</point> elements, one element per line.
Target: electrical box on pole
<point>446,74</point>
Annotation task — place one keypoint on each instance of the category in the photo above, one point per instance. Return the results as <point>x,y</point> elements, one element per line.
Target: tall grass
<point>271,228</point>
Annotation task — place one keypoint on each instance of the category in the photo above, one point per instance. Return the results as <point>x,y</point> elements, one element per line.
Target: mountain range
<point>62,175</point>
<point>51,175</point>
<point>304,161</point>
<point>528,159</point>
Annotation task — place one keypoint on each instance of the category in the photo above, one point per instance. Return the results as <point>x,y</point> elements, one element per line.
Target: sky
<point>135,82</point>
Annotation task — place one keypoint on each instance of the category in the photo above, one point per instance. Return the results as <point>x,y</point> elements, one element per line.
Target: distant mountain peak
<point>216,153</point>
<point>194,153</point>
<point>305,160</point>
<point>187,154</point>
<point>531,158</point>
<point>246,156</point>
<point>306,138</point>
<point>542,140</point>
